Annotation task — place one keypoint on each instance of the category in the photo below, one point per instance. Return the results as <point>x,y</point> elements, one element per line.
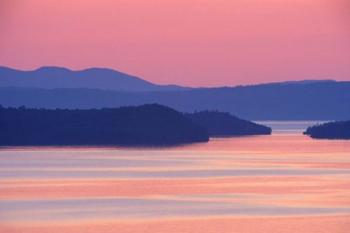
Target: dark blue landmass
<point>327,100</point>
<point>145,125</point>
<point>151,124</point>
<point>330,130</point>
<point>220,124</point>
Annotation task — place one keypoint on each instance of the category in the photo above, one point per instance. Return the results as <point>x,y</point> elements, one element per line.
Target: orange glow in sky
<point>186,42</point>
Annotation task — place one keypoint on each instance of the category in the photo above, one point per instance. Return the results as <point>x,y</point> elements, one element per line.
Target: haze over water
<point>284,183</point>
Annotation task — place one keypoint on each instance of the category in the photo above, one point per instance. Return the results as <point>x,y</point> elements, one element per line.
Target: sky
<point>184,42</point>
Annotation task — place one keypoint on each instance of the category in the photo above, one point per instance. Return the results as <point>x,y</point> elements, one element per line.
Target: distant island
<point>147,125</point>
<point>224,124</point>
<point>330,130</point>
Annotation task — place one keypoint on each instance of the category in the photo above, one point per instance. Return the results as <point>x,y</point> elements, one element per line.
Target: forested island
<point>145,125</point>
<point>150,124</point>
<point>330,130</point>
<point>224,124</point>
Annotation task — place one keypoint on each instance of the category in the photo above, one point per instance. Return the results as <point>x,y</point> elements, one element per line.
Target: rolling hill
<point>52,87</point>
<point>58,77</point>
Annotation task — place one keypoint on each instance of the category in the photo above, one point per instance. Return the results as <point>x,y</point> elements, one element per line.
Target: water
<point>286,175</point>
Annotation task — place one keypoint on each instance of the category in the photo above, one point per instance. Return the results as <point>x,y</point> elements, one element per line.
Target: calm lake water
<point>286,182</point>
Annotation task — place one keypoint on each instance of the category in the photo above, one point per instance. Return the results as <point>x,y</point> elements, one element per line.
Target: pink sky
<point>186,42</point>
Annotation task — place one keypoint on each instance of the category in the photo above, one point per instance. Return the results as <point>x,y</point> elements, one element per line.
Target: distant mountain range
<point>292,100</point>
<point>97,78</point>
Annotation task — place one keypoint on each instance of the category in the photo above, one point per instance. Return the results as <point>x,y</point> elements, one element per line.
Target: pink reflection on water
<point>280,183</point>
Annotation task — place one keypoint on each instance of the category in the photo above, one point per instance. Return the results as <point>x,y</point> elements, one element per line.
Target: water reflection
<point>282,175</point>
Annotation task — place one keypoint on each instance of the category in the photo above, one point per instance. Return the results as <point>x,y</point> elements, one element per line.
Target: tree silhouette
<point>151,124</point>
